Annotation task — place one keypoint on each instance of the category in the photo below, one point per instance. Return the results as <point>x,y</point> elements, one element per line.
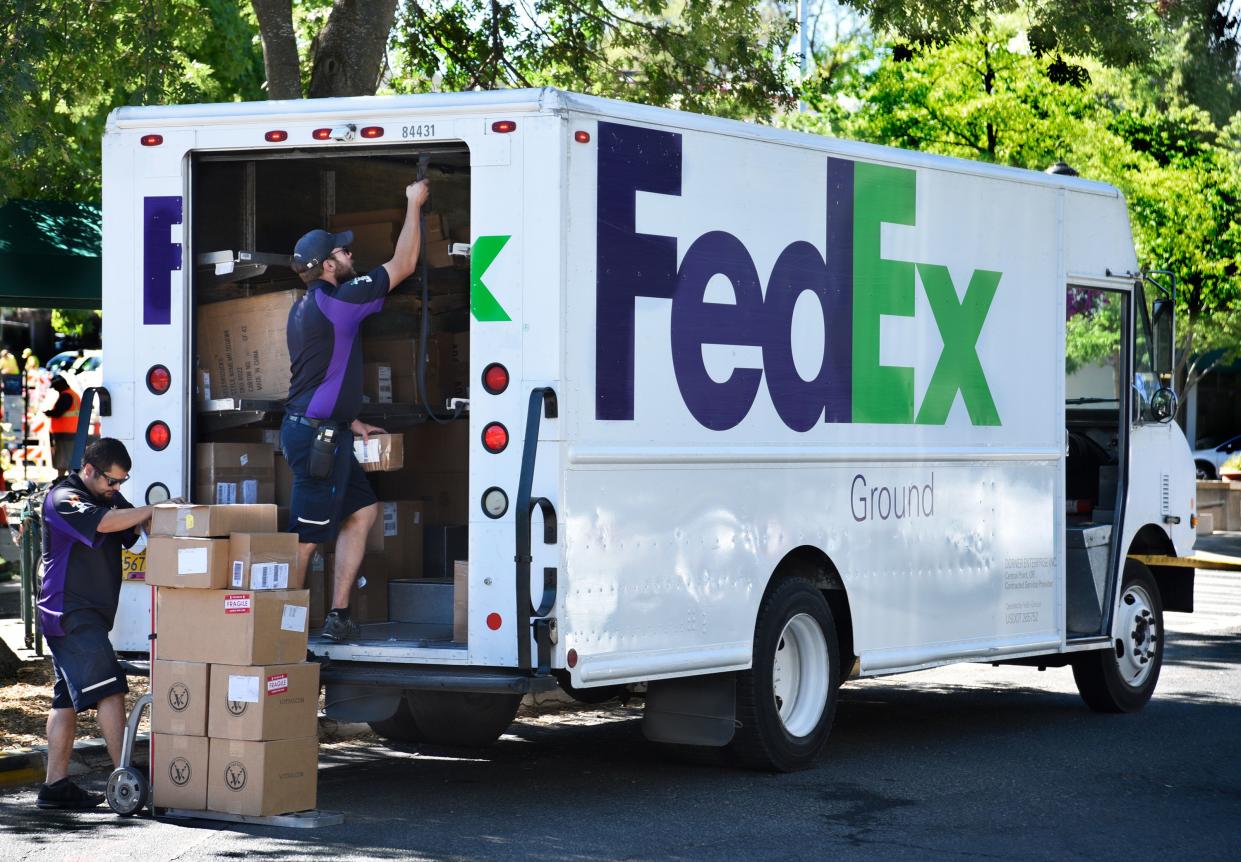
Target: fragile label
<point>225,493</point>
<point>191,561</point>
<point>250,491</point>
<point>238,604</point>
<point>269,576</point>
<point>238,573</point>
<point>389,519</point>
<point>244,689</point>
<point>277,683</point>
<point>293,619</point>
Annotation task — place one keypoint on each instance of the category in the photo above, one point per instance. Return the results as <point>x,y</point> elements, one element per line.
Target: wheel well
<point>815,566</point>
<point>1176,584</point>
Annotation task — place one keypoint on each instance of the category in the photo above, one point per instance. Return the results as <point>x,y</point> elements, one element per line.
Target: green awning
<point>49,251</point>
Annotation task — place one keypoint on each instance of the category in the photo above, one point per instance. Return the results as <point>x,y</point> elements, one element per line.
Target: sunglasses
<point>112,481</point>
<point>342,250</point>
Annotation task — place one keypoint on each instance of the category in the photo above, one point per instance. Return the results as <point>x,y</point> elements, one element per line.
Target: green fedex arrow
<point>485,307</point>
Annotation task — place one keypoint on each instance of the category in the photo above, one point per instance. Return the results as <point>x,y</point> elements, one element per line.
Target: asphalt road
<point>968,762</point>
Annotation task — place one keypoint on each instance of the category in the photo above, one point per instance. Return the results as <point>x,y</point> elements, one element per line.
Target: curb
<point>29,767</point>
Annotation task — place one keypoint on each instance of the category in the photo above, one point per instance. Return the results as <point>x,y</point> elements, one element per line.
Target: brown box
<point>448,492</point>
<point>368,600</point>
<point>397,536</point>
<point>179,697</point>
<point>433,447</point>
<point>346,220</point>
<point>460,601</point>
<point>264,561</point>
<point>176,562</point>
<point>279,701</point>
<point>259,779</point>
<point>243,627</point>
<point>380,452</point>
<point>179,765</point>
<point>377,382</point>
<point>373,244</point>
<point>402,355</point>
<point>316,584</point>
<point>230,473</point>
<point>437,253</point>
<point>243,345</point>
<point>284,482</point>
<point>203,521</point>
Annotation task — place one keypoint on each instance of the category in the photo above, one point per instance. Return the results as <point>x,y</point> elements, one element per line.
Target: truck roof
<point>550,99</point>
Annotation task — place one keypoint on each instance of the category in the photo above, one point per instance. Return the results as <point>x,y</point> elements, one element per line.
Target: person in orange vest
<point>64,417</point>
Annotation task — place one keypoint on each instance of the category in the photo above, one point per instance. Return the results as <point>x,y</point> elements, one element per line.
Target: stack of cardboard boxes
<point>235,704</point>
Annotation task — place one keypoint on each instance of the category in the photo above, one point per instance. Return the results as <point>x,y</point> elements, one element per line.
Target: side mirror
<point>1161,325</point>
<point>1163,404</point>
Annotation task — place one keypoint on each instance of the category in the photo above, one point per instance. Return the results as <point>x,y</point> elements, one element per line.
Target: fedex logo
<point>855,287</point>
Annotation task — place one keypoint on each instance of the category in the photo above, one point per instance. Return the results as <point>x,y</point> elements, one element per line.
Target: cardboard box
<point>203,521</point>
<point>397,536</point>
<point>377,382</point>
<point>368,600</point>
<point>246,434</point>
<point>460,601</point>
<point>264,561</point>
<point>454,363</point>
<point>380,452</point>
<point>243,348</point>
<point>228,473</point>
<point>401,354</point>
<point>178,562</point>
<point>433,447</point>
<point>179,696</point>
<point>437,253</point>
<point>279,701</point>
<point>260,779</point>
<point>242,627</point>
<point>284,482</point>
<point>179,765</point>
<point>316,585</point>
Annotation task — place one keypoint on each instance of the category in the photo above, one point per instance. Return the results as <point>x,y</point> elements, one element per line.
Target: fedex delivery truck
<point>744,412</point>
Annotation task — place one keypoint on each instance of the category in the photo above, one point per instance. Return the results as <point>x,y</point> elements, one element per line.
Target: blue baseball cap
<point>316,246</point>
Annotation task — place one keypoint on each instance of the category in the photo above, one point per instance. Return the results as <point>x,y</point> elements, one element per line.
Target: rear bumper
<point>433,677</point>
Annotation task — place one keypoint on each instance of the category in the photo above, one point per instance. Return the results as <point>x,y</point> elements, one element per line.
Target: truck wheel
<point>1122,679</point>
<point>462,718</point>
<point>786,701</point>
<point>401,727</point>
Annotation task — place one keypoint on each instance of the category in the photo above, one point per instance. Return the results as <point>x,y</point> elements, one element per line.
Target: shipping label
<point>243,688</point>
<point>269,576</point>
<point>293,619</point>
<point>390,519</point>
<point>239,573</point>
<point>191,561</point>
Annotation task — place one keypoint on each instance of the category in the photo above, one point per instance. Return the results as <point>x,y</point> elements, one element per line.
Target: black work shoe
<point>338,628</point>
<point>66,794</point>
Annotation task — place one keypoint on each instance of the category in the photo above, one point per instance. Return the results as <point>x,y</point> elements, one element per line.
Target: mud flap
<point>695,710</point>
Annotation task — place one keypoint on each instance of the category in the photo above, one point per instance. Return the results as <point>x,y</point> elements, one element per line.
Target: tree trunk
<point>349,51</point>
<point>280,62</point>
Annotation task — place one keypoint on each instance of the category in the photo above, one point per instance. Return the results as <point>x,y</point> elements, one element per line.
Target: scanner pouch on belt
<point>323,453</point>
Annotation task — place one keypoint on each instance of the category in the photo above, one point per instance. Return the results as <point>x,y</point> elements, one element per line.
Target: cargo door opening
<point>1096,438</point>
<point>247,211</point>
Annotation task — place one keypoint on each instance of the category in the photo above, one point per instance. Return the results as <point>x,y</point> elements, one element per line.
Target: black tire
<point>462,718</point>
<point>762,740</point>
<point>401,727</point>
<point>1122,679</point>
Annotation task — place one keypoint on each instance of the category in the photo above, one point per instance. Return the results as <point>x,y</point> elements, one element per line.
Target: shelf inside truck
<point>220,413</point>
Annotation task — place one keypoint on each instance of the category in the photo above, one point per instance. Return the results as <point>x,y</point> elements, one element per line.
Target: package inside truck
<point>246,214</point>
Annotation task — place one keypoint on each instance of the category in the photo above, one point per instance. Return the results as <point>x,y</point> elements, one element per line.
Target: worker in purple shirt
<point>86,522</point>
<point>331,494</point>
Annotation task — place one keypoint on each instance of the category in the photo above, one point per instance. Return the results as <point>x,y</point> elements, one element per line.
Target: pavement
<point>28,766</point>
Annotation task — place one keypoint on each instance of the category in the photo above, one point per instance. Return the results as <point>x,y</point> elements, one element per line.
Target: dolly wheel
<point>127,791</point>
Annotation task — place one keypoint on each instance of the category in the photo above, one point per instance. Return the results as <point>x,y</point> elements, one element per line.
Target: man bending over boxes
<point>330,490</point>
<point>86,522</point>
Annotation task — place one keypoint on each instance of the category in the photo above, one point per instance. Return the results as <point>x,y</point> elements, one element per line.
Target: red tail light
<point>494,622</point>
<point>495,378</point>
<point>503,127</point>
<point>322,134</point>
<point>159,379</point>
<point>151,140</point>
<point>582,137</point>
<point>158,435</point>
<point>372,132</point>
<point>495,437</point>
<point>275,136</point>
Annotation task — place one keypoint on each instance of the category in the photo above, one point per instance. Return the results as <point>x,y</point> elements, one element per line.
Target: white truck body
<point>764,346</point>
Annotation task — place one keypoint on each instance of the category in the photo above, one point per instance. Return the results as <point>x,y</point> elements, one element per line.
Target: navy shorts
<point>85,663</point>
<point>320,505</point>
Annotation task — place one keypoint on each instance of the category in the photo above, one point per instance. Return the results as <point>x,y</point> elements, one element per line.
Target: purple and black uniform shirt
<point>81,566</point>
<point>324,347</point>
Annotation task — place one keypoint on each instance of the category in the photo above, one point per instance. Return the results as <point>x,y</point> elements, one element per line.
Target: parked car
<point>63,361</point>
<point>1212,456</point>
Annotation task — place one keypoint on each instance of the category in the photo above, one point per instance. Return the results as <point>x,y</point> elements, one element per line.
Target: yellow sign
<point>133,565</point>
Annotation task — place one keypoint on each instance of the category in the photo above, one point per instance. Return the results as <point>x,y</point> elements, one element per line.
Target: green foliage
<point>65,65</point>
<point>73,321</point>
<point>720,57</point>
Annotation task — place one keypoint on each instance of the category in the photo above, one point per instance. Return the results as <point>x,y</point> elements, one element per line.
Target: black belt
<point>313,423</point>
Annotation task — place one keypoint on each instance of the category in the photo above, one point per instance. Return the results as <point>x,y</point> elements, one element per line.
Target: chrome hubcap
<point>1137,641</point>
